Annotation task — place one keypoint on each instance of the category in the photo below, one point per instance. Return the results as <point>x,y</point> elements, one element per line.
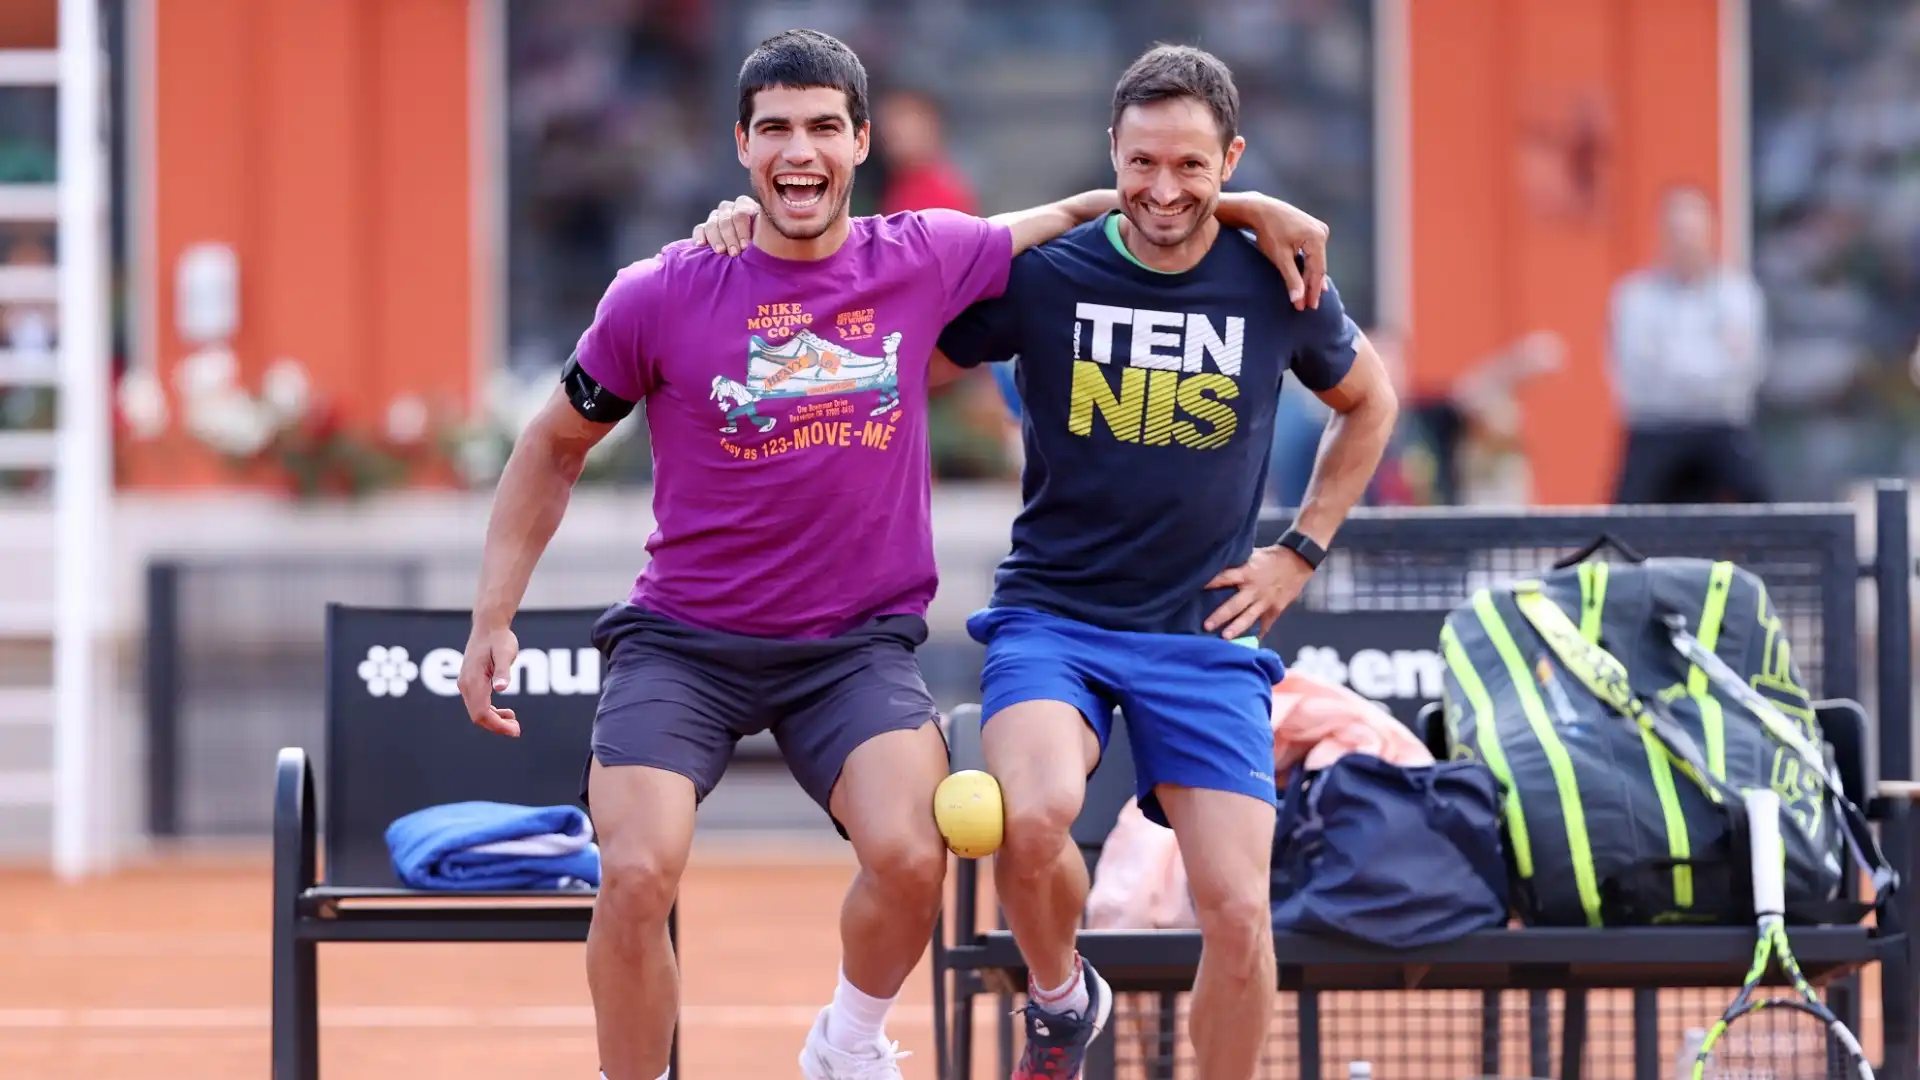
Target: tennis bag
<point>1399,856</point>
<point>1623,706</point>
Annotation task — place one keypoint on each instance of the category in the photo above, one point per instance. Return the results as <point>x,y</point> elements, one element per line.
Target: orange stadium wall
<point>29,24</point>
<point>1543,133</point>
<point>328,142</point>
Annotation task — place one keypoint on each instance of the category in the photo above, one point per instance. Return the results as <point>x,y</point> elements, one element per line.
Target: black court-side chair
<point>397,740</point>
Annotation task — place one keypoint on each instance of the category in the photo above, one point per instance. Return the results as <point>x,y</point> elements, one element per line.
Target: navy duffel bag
<point>1400,856</point>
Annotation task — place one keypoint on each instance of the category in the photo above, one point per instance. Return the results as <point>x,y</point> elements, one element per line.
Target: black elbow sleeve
<point>589,398</point>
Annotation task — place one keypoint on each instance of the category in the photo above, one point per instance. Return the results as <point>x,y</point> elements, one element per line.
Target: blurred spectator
<point>1688,358</point>
<point>1473,434</point>
<point>1836,237</point>
<point>965,422</point>
<point>1299,420</point>
<point>28,331</point>
<point>1461,448</point>
<point>909,133</point>
<point>27,327</point>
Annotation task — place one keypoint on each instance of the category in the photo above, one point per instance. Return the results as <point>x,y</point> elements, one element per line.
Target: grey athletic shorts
<point>679,698</point>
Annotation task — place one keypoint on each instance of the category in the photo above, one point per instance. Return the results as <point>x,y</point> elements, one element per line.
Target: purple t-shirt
<point>787,402</point>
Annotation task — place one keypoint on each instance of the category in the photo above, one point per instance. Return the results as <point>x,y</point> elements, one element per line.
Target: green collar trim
<point>1120,245</point>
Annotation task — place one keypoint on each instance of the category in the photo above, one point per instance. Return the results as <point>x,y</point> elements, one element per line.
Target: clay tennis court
<point>160,972</point>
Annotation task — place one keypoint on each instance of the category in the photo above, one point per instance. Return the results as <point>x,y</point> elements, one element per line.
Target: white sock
<point>1067,998</point>
<point>856,1019</point>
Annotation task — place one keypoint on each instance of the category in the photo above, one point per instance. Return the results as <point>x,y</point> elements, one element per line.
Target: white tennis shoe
<point>821,1060</point>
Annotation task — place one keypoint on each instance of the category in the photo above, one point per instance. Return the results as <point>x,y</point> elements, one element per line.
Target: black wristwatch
<point>1304,546</point>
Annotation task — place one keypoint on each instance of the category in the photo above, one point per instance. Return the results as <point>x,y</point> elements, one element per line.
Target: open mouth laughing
<point>800,191</point>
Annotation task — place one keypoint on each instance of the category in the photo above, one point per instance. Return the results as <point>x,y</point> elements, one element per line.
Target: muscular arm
<point>1364,410</point>
<point>1283,231</point>
<point>528,504</point>
<point>1036,226</point>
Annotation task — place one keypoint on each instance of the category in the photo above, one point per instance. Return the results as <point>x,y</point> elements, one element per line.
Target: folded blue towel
<point>491,845</point>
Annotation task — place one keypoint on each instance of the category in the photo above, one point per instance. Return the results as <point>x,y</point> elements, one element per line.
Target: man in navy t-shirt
<point>1152,347</point>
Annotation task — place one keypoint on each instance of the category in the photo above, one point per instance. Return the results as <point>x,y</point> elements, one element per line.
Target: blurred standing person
<point>1687,364</point>
<point>970,439</point>
<point>1454,445</point>
<point>919,173</point>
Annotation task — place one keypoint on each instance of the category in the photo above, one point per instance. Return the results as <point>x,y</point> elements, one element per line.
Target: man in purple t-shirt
<point>791,564</point>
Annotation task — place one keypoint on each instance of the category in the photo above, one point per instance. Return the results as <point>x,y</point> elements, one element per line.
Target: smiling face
<point>801,145</point>
<point>1169,163</point>
<point>1176,139</point>
<point>801,130</point>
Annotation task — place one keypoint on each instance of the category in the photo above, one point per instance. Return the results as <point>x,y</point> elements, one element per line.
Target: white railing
<point>82,469</point>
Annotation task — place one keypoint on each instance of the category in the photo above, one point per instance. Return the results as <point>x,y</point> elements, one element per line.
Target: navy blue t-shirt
<point>1148,419</point>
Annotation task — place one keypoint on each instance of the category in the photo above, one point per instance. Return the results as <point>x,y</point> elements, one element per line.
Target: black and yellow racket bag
<point>1622,757</point>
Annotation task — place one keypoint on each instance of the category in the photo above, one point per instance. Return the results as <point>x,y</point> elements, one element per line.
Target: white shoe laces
<point>876,1062</point>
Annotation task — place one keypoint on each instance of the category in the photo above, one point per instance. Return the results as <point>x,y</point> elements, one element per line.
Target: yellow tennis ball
<point>967,808</point>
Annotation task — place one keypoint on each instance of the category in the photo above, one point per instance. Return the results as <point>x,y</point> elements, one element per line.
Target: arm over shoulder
<point>973,254</point>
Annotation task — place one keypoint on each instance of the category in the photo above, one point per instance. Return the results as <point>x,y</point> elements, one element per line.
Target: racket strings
<point>1779,1042</point>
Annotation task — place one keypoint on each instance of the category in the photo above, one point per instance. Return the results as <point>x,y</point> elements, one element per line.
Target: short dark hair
<point>1167,72</point>
<point>804,59</point>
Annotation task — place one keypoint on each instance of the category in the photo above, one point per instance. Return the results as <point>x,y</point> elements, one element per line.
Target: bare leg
<point>644,820</point>
<point>1041,753</point>
<point>884,800</point>
<point>1226,843</point>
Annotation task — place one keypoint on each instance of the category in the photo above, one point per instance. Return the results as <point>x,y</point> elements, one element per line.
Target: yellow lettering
<point>1163,388</point>
<point>1154,407</point>
<point>876,435</point>
<point>1092,394</point>
<point>1204,397</point>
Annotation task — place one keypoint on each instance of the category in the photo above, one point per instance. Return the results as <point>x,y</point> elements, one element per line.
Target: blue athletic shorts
<point>1198,708</point>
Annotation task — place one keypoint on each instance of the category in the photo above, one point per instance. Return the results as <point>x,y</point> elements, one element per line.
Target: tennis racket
<point>1782,729</point>
<point>1859,838</point>
<point>1606,678</point>
<point>1786,1037</point>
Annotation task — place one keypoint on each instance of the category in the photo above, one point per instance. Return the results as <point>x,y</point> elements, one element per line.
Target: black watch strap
<point>1304,546</point>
